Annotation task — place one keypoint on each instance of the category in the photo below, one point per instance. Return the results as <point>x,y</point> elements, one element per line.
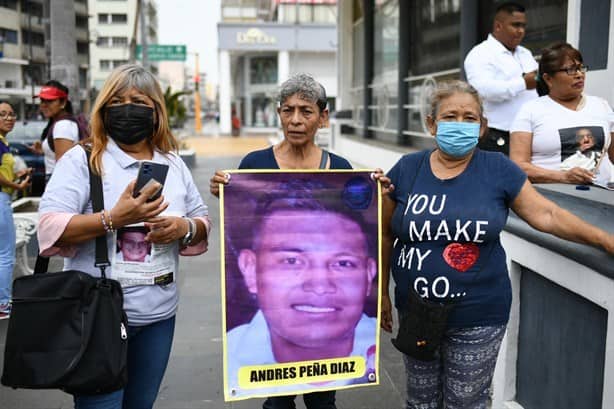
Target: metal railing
<point>384,103</point>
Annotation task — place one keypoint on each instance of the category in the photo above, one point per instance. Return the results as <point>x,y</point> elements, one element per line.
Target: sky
<point>193,23</point>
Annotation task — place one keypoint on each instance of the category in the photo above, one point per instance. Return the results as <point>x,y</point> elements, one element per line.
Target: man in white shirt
<point>503,72</point>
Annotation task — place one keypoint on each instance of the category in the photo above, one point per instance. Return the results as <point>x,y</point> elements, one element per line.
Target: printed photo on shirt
<point>131,245</point>
<point>139,262</point>
<point>301,282</point>
<point>581,147</point>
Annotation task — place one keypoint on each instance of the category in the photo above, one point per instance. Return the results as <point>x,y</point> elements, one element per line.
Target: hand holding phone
<point>150,172</point>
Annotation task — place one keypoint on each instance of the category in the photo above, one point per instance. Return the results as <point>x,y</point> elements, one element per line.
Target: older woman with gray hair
<point>302,111</point>
<point>448,208</point>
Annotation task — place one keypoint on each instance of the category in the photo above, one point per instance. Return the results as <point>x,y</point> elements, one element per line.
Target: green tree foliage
<point>175,107</point>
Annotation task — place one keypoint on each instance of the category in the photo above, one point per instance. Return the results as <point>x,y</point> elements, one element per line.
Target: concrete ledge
<point>189,157</point>
<point>590,207</point>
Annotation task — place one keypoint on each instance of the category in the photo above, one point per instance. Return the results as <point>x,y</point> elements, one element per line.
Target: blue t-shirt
<point>447,235</point>
<point>265,159</point>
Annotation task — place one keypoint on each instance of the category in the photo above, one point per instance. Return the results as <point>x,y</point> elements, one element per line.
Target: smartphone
<point>149,172</point>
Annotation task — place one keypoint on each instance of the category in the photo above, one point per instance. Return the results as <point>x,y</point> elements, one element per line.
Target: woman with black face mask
<point>129,124</point>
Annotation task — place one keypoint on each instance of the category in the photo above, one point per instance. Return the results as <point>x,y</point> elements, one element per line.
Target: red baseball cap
<point>48,92</point>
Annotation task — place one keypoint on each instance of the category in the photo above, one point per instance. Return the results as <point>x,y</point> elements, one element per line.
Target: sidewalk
<point>194,376</point>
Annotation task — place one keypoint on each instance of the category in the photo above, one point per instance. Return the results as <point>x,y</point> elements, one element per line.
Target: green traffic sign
<point>159,52</point>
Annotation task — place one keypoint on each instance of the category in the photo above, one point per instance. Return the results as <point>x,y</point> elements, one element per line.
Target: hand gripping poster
<point>300,282</point>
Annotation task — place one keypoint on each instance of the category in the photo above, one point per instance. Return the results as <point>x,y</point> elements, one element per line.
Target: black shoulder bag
<point>68,329</point>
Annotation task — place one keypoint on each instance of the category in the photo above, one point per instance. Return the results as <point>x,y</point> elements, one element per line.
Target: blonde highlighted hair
<point>121,80</point>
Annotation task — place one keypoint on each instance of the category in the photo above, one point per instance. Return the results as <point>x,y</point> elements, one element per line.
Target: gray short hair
<point>445,89</point>
<point>305,87</point>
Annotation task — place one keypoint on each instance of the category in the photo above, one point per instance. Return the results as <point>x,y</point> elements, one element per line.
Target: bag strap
<point>96,195</point>
<point>324,159</point>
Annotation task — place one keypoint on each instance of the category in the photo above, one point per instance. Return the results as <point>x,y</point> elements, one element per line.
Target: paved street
<point>194,377</point>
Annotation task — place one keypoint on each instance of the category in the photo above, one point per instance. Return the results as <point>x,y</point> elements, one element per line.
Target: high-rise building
<point>25,52</point>
<point>113,26</point>
<point>262,43</point>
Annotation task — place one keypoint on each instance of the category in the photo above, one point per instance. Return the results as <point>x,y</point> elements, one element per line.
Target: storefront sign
<point>255,36</point>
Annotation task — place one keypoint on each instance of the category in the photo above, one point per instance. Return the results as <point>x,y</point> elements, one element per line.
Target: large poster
<point>300,282</point>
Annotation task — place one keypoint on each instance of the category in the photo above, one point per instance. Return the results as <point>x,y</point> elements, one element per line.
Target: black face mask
<point>129,123</point>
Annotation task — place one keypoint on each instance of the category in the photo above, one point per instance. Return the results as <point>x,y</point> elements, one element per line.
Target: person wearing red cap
<point>62,130</point>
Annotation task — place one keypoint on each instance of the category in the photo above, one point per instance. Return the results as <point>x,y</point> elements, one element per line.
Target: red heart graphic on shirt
<point>461,256</point>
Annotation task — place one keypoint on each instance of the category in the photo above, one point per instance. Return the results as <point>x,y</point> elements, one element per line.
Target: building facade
<point>113,26</point>
<point>24,45</point>
<point>394,51</point>
<point>558,351</point>
<point>261,43</point>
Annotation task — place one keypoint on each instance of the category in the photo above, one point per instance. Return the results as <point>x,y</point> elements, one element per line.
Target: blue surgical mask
<point>457,138</point>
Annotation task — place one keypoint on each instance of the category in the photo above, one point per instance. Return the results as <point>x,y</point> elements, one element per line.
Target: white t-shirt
<point>63,129</point>
<point>554,128</point>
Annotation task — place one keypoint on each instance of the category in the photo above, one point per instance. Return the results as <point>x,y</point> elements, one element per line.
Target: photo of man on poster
<point>132,246</point>
<point>311,266</point>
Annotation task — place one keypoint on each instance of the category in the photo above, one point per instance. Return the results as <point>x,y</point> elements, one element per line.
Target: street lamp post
<point>198,126</point>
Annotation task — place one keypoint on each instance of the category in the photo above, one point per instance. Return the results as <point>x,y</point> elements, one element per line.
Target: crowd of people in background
<point>513,123</point>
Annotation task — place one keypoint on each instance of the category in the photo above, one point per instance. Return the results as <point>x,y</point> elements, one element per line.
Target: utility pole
<point>143,22</point>
<point>64,63</point>
<point>198,126</point>
<point>134,31</point>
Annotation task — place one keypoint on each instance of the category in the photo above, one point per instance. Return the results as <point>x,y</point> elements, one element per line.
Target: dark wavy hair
<point>553,58</point>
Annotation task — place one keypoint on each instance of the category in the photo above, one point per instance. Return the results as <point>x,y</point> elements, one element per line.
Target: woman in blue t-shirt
<point>302,112</point>
<point>441,226</point>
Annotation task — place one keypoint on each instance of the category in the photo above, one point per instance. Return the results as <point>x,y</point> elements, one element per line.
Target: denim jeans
<point>315,400</point>
<point>7,247</point>
<point>149,348</point>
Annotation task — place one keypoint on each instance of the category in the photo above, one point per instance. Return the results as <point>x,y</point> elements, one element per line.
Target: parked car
<point>23,135</point>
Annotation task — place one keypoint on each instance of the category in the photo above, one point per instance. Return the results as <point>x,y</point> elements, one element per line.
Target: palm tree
<point>174,107</point>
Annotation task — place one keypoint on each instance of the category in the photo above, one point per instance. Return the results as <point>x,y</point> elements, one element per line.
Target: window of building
<point>33,9</point>
<point>102,41</point>
<point>263,70</point>
<point>324,14</point>
<point>9,4</point>
<point>386,41</point>
<point>358,40</point>
<point>119,41</point>
<point>81,21</point>
<point>594,29</point>
<point>546,22</point>
<point>119,18</point>
<point>106,65</point>
<point>105,18</point>
<point>9,36</point>
<point>307,13</point>
<point>434,36</point>
<point>83,47</point>
<point>38,39</point>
